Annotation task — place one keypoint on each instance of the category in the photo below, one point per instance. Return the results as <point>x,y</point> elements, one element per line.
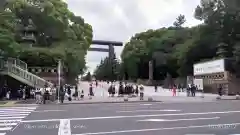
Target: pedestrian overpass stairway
<point>17,69</point>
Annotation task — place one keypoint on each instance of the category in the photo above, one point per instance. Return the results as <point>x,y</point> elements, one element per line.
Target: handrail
<point>17,62</point>
<point>19,68</point>
<point>36,80</point>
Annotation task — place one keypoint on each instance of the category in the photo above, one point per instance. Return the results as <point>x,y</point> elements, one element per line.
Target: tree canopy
<point>175,49</point>
<point>58,32</point>
<point>108,69</point>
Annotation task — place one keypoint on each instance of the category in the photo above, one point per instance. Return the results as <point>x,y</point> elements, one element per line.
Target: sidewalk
<point>164,99</point>
<point>163,95</point>
<point>7,103</point>
<point>108,100</point>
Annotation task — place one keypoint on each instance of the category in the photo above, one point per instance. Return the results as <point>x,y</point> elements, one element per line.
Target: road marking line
<point>19,117</point>
<point>12,114</point>
<point>64,127</point>
<point>22,110</point>
<point>8,124</point>
<point>150,111</point>
<point>200,134</point>
<point>163,120</point>
<point>5,128</point>
<point>49,111</point>
<point>146,104</point>
<point>5,121</point>
<point>18,107</point>
<point>148,130</point>
<point>2,133</point>
<point>134,116</point>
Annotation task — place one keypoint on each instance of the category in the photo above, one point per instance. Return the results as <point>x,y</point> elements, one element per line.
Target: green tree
<point>8,46</point>
<point>180,20</point>
<point>59,34</point>
<point>108,69</point>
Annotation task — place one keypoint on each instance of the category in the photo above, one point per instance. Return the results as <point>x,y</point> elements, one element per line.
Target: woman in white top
<point>8,94</point>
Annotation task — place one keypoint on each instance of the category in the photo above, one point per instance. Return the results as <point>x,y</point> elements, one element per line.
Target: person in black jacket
<point>136,90</point>
<point>120,89</point>
<point>91,90</point>
<point>220,90</point>
<point>61,94</point>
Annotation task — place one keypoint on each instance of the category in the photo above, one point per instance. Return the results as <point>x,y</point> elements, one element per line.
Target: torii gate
<point>110,45</point>
<point>110,49</point>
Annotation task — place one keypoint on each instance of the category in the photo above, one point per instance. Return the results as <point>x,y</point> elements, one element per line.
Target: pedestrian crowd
<point>126,89</point>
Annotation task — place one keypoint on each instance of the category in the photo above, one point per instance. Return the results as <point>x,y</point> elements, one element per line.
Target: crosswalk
<point>10,117</point>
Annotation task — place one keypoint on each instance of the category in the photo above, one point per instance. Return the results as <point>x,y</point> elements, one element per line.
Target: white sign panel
<point>210,67</point>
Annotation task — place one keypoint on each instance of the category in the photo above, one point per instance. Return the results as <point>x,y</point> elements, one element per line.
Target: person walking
<point>61,94</point>
<point>8,95</point>
<point>38,96</point>
<point>120,89</point>
<point>141,92</point>
<point>220,90</point>
<point>136,90</point>
<point>193,90</point>
<point>82,95</point>
<point>113,90</point>
<point>156,88</point>
<point>24,93</point>
<point>174,90</point>
<point>91,91</point>
<point>188,90</point>
<point>110,90</point>
<point>76,93</point>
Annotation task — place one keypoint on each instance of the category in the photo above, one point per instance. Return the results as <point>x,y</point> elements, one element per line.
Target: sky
<point>119,20</point>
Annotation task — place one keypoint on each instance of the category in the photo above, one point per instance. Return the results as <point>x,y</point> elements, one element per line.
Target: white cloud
<point>120,19</point>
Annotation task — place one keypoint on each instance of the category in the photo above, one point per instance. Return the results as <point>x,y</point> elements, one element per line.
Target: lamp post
<point>59,79</point>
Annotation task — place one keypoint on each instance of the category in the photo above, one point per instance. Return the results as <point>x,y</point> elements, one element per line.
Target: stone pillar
<point>150,74</point>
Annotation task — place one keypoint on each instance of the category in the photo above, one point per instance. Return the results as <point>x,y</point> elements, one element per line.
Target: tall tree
<point>59,34</point>
<point>180,20</point>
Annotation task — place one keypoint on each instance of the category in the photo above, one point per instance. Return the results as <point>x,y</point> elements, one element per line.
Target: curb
<point>105,102</point>
<point>9,104</point>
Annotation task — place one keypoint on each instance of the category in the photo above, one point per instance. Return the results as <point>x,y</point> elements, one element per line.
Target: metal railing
<point>17,62</point>
<point>19,68</point>
<point>34,79</point>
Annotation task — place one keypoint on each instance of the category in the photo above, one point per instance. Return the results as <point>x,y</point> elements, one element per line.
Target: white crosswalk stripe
<point>10,117</point>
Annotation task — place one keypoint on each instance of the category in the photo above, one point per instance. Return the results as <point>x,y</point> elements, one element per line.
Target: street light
<point>59,79</point>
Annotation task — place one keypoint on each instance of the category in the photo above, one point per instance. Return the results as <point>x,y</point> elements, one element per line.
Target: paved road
<point>220,118</point>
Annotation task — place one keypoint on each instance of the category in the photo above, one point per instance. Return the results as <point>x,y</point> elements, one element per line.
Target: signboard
<point>209,67</point>
<point>198,83</point>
